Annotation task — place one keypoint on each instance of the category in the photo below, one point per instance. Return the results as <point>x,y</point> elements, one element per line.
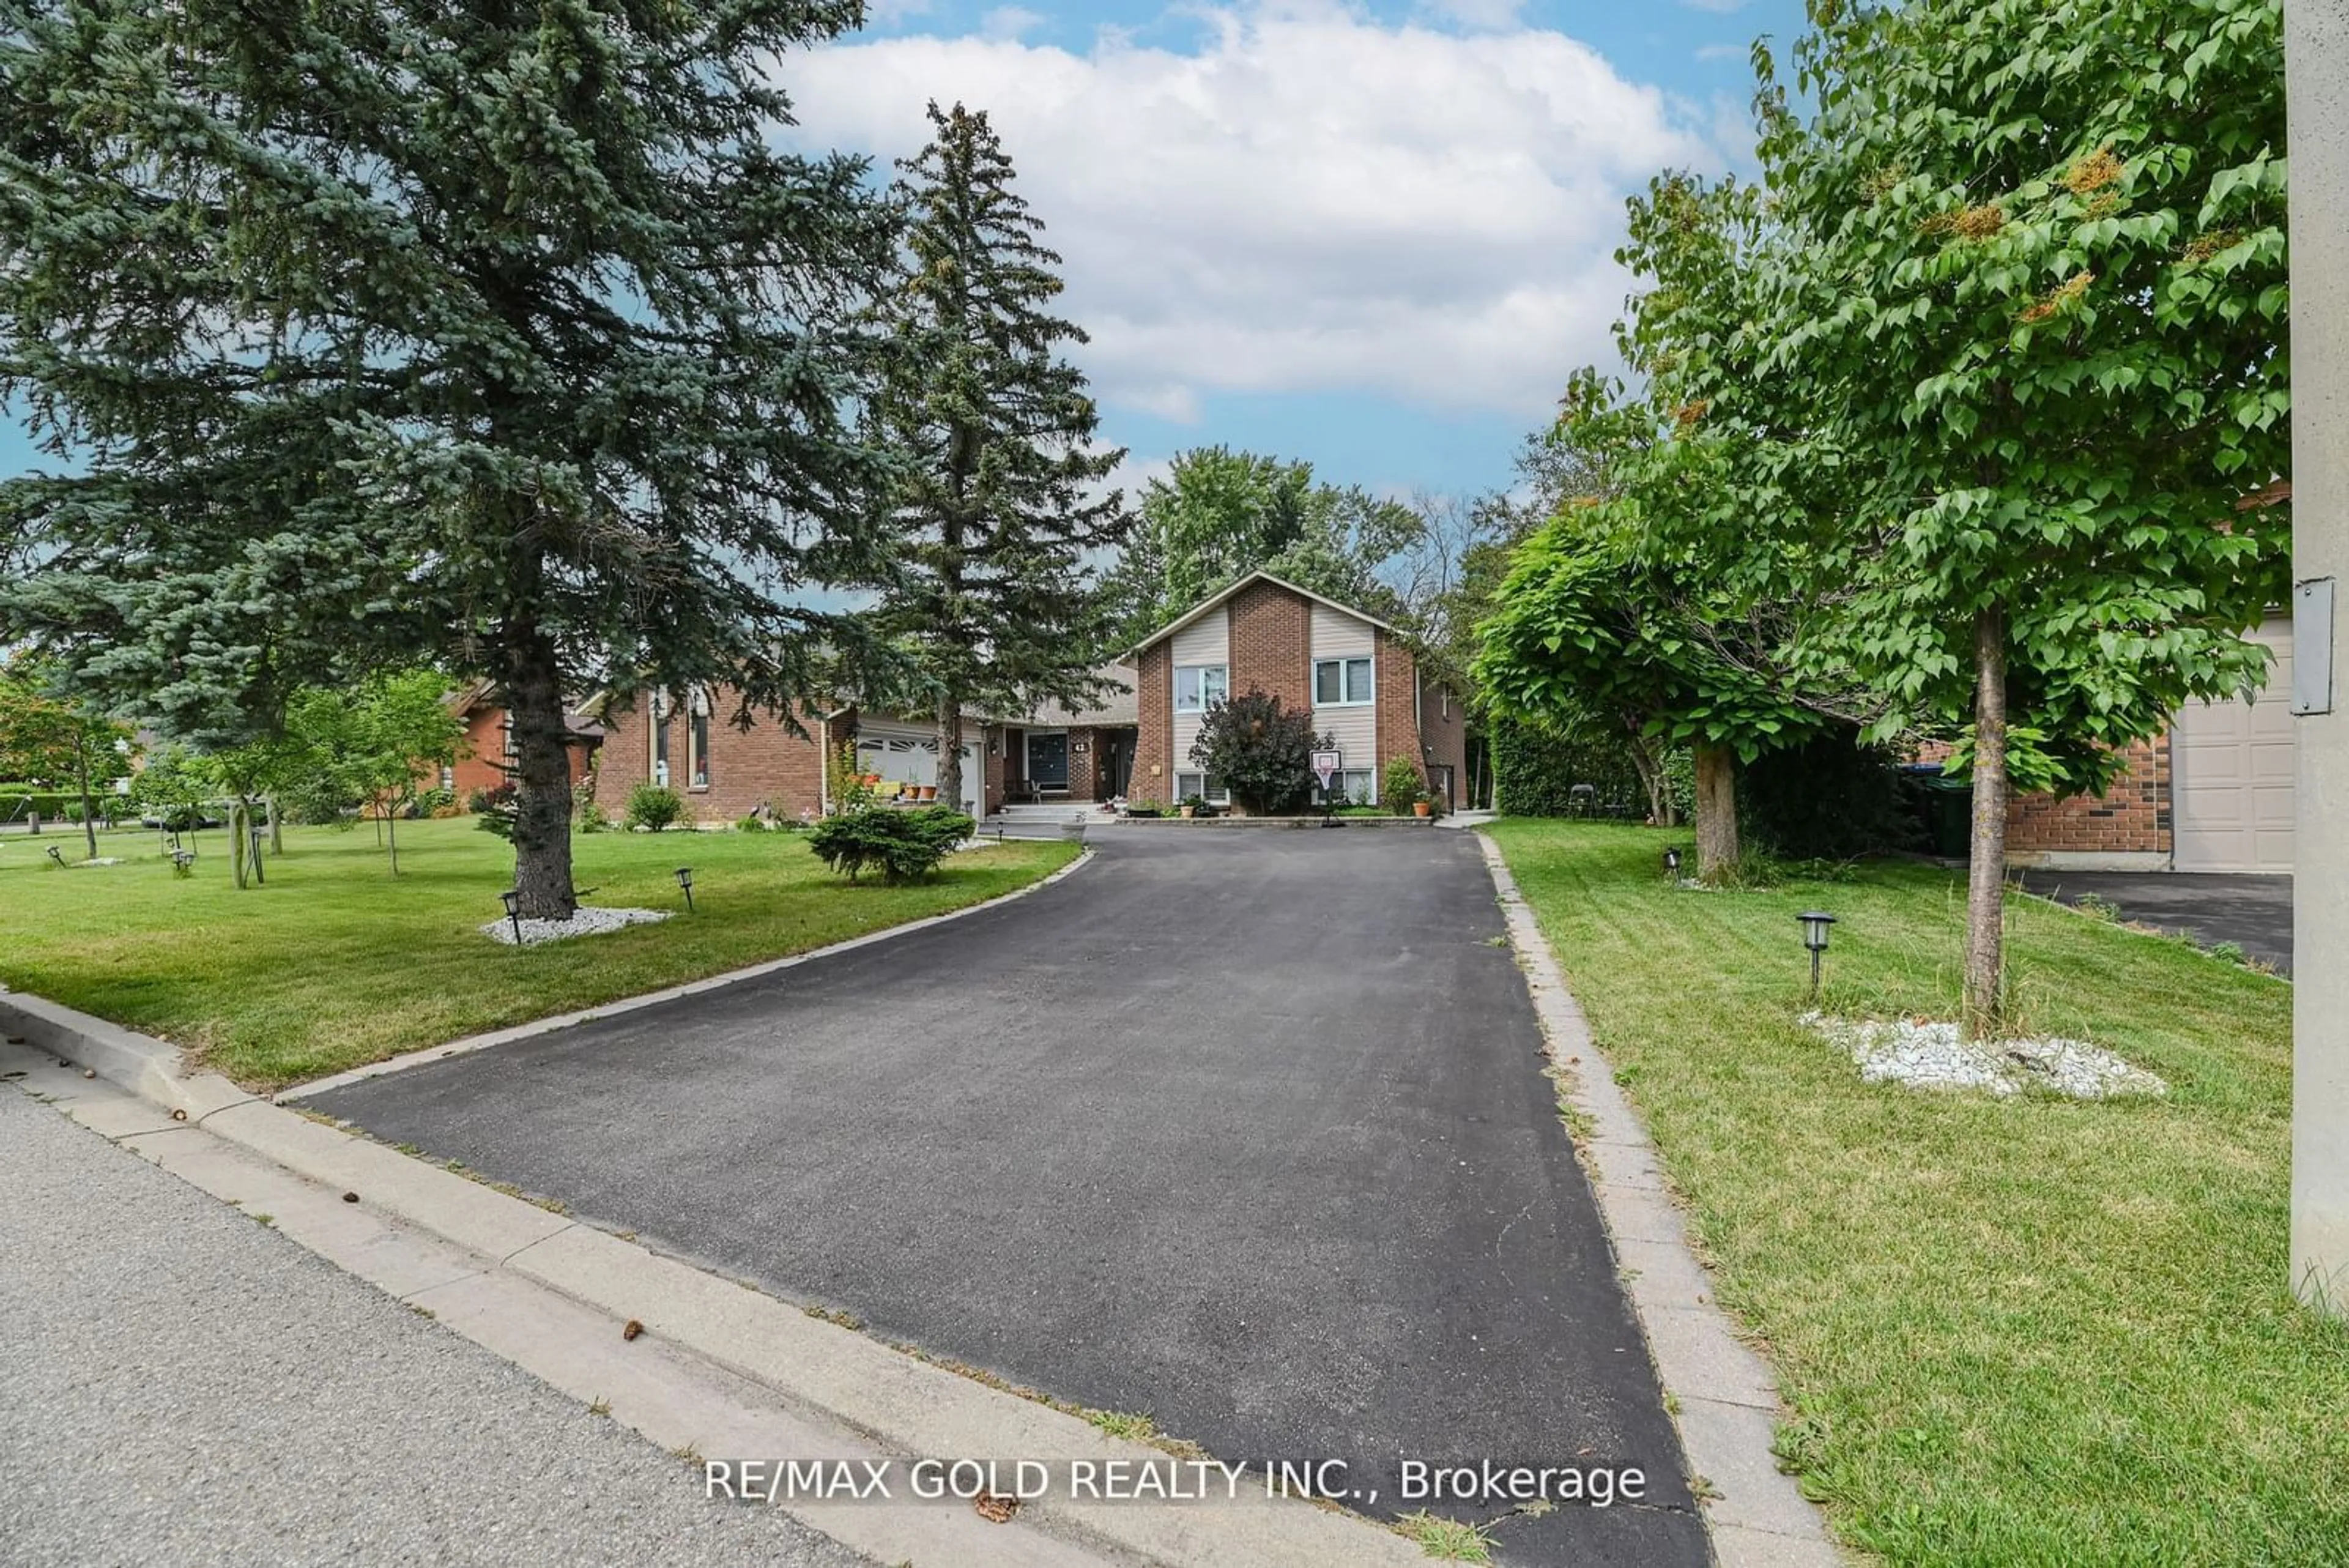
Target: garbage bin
<point>1946,810</point>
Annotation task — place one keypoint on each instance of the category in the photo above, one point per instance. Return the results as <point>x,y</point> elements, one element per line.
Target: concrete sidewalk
<point>185,1386</point>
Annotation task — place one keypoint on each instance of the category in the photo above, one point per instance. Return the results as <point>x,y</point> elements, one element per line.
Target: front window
<point>697,745</point>
<point>1198,685</point>
<point>660,739</point>
<point>1340,682</point>
<point>1355,785</point>
<point>1202,786</point>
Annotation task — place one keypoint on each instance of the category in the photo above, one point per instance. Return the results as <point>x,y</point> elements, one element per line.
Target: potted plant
<point>1422,805</point>
<point>1191,806</point>
<point>928,791</point>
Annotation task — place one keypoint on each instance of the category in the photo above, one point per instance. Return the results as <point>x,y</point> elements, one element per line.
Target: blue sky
<point>1376,237</point>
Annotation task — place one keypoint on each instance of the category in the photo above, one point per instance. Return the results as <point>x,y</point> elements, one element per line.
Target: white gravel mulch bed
<point>587,922</point>
<point>1929,1054</point>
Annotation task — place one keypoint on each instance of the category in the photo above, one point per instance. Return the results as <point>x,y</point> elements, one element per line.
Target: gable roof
<point>1187,616</point>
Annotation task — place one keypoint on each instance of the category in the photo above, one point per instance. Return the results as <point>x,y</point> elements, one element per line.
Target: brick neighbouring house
<point>1353,672</point>
<point>2212,792</point>
<point>726,773</point>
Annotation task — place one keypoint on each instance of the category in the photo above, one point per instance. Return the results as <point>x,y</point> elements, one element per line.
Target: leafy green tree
<point>1259,751</point>
<point>1218,514</point>
<point>1593,632</point>
<point>45,738</point>
<point>995,595</point>
<point>2020,340</point>
<point>505,336</point>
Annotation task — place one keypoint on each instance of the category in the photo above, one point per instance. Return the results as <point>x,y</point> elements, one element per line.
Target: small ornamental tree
<point>48,739</point>
<point>1260,752</point>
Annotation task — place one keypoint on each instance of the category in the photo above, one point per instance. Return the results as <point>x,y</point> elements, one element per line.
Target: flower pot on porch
<point>928,791</point>
<point>1421,807</point>
<point>1188,811</point>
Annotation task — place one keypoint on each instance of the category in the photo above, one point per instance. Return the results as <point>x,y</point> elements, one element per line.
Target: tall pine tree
<point>497,334</point>
<point>995,501</point>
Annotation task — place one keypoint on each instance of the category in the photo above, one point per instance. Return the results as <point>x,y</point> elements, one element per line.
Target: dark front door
<point>1047,762</point>
<point>1116,757</point>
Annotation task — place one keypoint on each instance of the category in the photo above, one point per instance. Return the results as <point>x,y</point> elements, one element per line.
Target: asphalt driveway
<point>1245,1129</point>
<point>2252,912</point>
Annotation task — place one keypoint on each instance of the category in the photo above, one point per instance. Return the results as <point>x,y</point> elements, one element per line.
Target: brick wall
<point>1154,768</point>
<point>1397,708</point>
<point>2133,816</point>
<point>485,749</point>
<point>1443,736</point>
<point>766,764</point>
<point>1084,764</point>
<point>995,744</point>
<point>1272,644</point>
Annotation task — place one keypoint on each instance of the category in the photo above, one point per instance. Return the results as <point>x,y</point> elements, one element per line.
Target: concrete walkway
<point>2253,912</point>
<point>180,1384</point>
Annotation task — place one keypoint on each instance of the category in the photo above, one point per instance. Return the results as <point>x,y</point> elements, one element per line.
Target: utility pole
<point>2316,74</point>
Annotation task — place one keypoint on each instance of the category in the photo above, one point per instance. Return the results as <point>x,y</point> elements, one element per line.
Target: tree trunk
<point>1716,811</point>
<point>391,826</point>
<point>1647,756</point>
<point>239,841</point>
<point>1986,866</point>
<point>277,825</point>
<point>950,752</point>
<point>88,811</point>
<point>542,775</point>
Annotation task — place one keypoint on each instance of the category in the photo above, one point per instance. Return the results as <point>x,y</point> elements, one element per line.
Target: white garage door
<point>2231,774</point>
<point>909,756</point>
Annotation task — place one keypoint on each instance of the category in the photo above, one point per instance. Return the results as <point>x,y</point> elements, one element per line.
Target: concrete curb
<point>537,1026</point>
<point>1726,1397</point>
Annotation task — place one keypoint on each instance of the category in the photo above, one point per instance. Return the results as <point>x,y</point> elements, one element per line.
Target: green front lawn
<point>336,963</point>
<point>2031,1331</point>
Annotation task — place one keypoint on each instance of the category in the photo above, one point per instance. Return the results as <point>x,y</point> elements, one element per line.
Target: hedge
<point>1535,770</point>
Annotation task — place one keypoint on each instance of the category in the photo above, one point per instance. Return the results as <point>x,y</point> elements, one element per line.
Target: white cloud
<point>1312,202</point>
<point>1718,7</point>
<point>1724,51</point>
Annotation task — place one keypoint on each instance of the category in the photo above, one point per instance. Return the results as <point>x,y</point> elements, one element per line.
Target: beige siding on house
<point>1337,635</point>
<point>1206,640</point>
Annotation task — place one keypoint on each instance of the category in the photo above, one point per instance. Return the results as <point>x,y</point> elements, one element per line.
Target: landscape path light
<point>685,881</point>
<point>1815,938</point>
<point>1672,864</point>
<point>511,897</point>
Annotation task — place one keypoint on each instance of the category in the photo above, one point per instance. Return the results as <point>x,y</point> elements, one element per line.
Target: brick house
<point>2213,792</point>
<point>485,754</point>
<point>1352,672</point>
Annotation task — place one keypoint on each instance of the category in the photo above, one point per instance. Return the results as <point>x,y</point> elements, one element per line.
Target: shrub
<point>752,823</point>
<point>654,806</point>
<point>1400,784</point>
<point>1830,798</point>
<point>900,845</point>
<point>1262,753</point>
<point>1536,768</point>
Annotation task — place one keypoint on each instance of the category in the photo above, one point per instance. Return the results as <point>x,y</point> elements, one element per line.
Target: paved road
<point>1242,1128</point>
<point>2254,912</point>
<point>180,1386</point>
